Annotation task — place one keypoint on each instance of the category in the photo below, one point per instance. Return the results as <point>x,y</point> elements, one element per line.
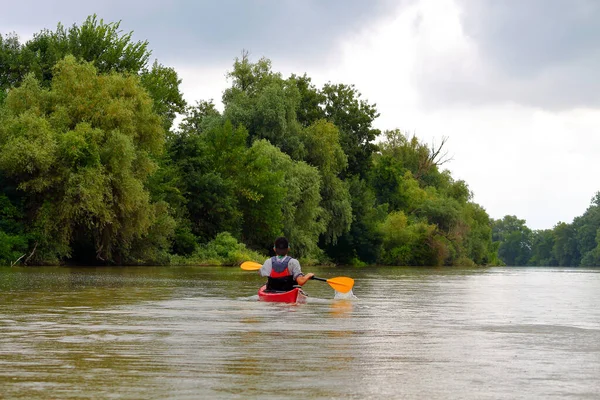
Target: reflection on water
<point>184,333</point>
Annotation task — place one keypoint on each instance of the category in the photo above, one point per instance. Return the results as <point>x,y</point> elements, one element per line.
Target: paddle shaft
<point>319,279</point>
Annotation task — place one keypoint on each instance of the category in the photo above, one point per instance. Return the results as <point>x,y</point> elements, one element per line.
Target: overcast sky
<point>513,84</point>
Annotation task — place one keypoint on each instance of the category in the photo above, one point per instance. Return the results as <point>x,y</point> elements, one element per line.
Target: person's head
<point>281,246</point>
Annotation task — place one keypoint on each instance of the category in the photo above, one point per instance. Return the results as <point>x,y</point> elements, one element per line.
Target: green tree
<point>104,45</point>
<point>310,108</point>
<point>354,118</point>
<point>100,43</point>
<point>207,164</point>
<point>199,118</point>
<point>280,196</point>
<point>565,245</point>
<point>81,152</point>
<point>13,241</point>
<point>592,257</point>
<point>476,227</point>
<point>362,243</point>
<point>586,227</point>
<point>322,142</point>
<point>515,240</point>
<point>162,83</point>
<point>304,219</point>
<point>406,243</point>
<point>265,103</point>
<point>542,244</point>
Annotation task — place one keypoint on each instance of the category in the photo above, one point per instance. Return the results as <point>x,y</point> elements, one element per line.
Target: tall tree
<point>265,104</point>
<point>81,152</point>
<point>354,118</point>
<point>322,142</point>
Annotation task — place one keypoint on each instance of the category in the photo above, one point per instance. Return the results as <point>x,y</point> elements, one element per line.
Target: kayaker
<point>283,271</point>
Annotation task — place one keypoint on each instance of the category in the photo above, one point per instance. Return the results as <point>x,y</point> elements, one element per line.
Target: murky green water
<point>190,333</point>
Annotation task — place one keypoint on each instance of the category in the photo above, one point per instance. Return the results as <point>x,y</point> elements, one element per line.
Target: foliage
<point>515,240</point>
<point>362,243</point>
<point>207,165</point>
<point>84,177</point>
<point>406,243</point>
<point>80,153</point>
<point>224,249</point>
<point>574,244</point>
<point>322,142</point>
<point>102,44</point>
<point>310,108</point>
<point>354,118</point>
<point>162,83</point>
<point>265,103</point>
<point>303,217</point>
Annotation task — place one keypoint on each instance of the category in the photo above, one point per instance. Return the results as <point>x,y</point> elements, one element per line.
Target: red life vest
<point>280,278</point>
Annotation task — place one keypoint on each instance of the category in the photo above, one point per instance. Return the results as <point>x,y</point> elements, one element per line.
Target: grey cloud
<point>541,53</point>
<point>527,37</point>
<point>213,31</point>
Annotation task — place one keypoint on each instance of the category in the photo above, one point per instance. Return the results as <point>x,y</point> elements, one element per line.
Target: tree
<point>162,83</point>
<point>542,245</point>
<point>515,240</point>
<point>362,243</point>
<point>80,153</point>
<point>592,257</point>
<point>310,108</point>
<point>265,104</point>
<point>199,118</point>
<point>102,44</point>
<point>207,164</point>
<point>477,239</point>
<point>354,118</point>
<point>565,245</point>
<point>406,243</point>
<point>322,142</point>
<point>280,196</point>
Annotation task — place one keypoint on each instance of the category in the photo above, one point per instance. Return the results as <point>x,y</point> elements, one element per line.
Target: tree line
<point>567,244</point>
<point>93,170</point>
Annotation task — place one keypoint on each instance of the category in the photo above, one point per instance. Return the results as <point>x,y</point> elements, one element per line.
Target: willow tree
<point>81,151</point>
<point>324,151</point>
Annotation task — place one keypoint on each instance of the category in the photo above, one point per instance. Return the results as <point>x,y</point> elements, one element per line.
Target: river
<point>190,333</point>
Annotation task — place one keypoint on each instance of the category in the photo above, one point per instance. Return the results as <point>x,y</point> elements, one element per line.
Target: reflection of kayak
<point>295,295</point>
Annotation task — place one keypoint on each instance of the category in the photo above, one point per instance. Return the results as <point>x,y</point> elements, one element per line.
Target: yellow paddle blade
<point>250,266</point>
<point>342,284</point>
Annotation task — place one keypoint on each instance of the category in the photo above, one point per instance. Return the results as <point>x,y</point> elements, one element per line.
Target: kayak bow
<point>295,295</point>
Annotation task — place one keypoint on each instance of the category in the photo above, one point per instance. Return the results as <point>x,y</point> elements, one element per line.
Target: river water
<point>190,333</point>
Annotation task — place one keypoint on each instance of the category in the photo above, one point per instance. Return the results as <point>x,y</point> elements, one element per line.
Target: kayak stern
<point>295,295</point>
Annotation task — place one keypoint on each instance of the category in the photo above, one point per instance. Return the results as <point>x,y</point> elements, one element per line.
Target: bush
<point>222,250</point>
<point>11,248</point>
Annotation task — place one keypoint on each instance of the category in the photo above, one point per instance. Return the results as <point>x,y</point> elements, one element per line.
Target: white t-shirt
<point>293,267</point>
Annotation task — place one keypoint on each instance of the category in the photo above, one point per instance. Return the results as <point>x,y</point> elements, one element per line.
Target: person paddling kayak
<point>283,271</point>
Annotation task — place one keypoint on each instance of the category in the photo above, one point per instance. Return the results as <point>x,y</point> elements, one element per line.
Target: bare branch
<point>436,156</point>
<point>12,264</point>
<point>29,257</point>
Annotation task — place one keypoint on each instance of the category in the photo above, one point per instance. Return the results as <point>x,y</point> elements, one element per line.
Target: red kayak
<point>295,295</point>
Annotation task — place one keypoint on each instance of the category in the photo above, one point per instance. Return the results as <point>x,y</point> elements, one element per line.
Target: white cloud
<point>203,83</point>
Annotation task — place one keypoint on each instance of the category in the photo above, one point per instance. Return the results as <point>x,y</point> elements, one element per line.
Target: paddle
<point>342,284</point>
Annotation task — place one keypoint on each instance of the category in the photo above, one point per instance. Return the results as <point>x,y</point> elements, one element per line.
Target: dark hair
<point>281,245</point>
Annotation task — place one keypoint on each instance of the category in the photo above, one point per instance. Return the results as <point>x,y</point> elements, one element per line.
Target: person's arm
<point>296,271</point>
<point>302,279</point>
